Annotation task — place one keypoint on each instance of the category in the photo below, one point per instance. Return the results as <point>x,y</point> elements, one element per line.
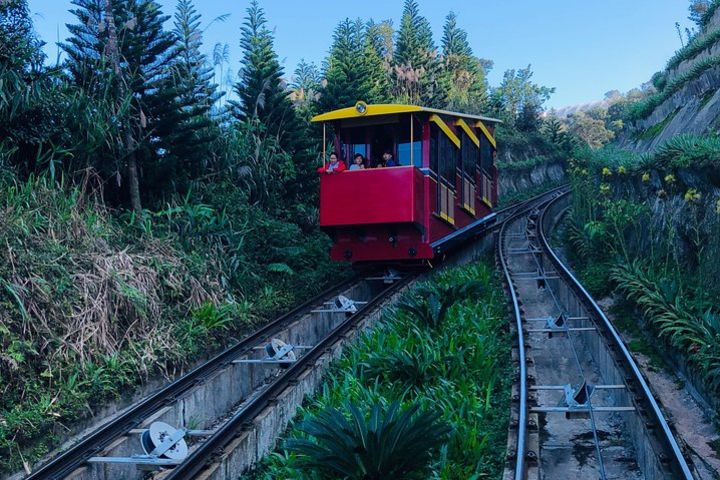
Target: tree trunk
<point>113,51</point>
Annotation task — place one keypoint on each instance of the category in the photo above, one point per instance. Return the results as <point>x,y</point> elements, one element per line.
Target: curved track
<point>135,416</point>
<point>582,407</point>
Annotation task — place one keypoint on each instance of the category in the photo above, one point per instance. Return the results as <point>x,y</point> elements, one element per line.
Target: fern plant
<point>430,302</point>
<point>409,369</point>
<point>390,443</point>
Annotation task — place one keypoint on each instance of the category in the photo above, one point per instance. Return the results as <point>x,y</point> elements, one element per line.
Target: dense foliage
<point>454,369</point>
<point>95,298</point>
<point>148,215</point>
<point>649,225</point>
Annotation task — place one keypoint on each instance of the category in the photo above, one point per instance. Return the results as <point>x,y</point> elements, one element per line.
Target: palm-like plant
<point>411,369</point>
<point>430,303</point>
<point>389,444</point>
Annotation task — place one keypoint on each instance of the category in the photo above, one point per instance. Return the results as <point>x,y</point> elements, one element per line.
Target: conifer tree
<point>356,68</point>
<point>375,64</point>
<point>19,48</point>
<point>464,77</point>
<point>306,86</point>
<point>417,72</point>
<point>414,44</point>
<point>120,53</point>
<point>344,72</point>
<point>196,92</point>
<point>278,151</point>
<point>263,97</point>
<point>306,80</point>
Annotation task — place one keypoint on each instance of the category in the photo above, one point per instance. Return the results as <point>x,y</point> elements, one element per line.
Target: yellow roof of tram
<point>361,109</point>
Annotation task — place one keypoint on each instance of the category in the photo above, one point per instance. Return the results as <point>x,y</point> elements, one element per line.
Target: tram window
<point>486,154</point>
<point>355,142</point>
<point>469,156</point>
<point>406,149</point>
<point>448,159</point>
<point>382,138</point>
<point>434,132</point>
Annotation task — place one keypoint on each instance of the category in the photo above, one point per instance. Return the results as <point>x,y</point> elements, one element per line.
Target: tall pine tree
<point>263,97</point>
<point>464,76</point>
<point>414,45</point>
<point>120,53</point>
<point>306,87</point>
<point>277,156</point>
<point>344,72</point>
<point>197,93</point>
<point>417,73</point>
<point>375,62</point>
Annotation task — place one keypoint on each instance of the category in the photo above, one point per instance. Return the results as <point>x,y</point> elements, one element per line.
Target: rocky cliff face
<point>513,181</point>
<point>694,108</point>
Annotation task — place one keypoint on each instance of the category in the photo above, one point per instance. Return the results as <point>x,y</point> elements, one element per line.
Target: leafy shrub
<point>645,107</point>
<point>389,444</point>
<point>668,311</point>
<point>430,303</point>
<point>693,48</point>
<point>468,382</point>
<point>410,369</point>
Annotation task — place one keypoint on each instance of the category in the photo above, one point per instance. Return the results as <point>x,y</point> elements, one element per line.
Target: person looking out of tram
<point>358,162</point>
<point>335,165</point>
<point>387,160</point>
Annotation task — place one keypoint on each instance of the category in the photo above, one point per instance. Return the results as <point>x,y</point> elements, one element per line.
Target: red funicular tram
<point>444,187</point>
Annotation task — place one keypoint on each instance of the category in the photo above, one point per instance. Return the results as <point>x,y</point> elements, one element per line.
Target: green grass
<point>643,346</point>
<point>466,371</point>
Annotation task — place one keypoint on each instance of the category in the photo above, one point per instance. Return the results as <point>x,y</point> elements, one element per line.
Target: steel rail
<point>581,370</point>
<point>64,464</point>
<point>199,458</point>
<point>520,468</point>
<point>94,443</point>
<point>667,436</point>
<point>523,410</point>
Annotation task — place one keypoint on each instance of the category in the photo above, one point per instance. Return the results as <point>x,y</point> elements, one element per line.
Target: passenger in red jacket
<point>335,165</point>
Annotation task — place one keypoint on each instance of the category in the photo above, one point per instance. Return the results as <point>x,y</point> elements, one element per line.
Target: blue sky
<point>582,48</point>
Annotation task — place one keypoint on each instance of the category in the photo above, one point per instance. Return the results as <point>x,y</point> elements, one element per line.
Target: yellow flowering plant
<point>692,195</point>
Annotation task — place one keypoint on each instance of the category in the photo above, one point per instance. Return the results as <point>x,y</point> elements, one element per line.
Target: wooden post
<point>324,145</point>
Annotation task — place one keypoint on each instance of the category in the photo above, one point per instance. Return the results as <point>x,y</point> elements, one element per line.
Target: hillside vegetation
<point>151,211</point>
<point>648,226</point>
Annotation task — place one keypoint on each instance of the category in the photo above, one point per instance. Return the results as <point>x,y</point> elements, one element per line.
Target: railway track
<point>320,326</point>
<point>581,407</point>
<point>112,451</point>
